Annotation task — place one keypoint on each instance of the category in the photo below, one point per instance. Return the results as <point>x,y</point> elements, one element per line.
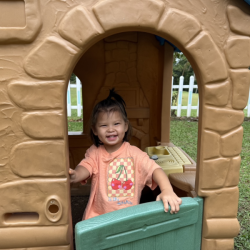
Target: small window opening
<point>74,106</point>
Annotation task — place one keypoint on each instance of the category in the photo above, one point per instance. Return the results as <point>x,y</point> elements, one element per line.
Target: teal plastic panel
<point>144,226</point>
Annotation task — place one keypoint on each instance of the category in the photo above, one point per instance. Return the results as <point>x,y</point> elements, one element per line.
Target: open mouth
<point>112,137</point>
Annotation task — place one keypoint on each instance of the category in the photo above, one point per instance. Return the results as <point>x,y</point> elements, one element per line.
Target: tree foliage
<point>181,67</point>
<point>73,78</point>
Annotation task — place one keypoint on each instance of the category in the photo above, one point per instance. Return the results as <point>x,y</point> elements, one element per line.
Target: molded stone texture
<point>44,125</point>
<point>218,244</point>
<point>10,68</point>
<point>238,52</point>
<point>213,173</point>
<point>234,172</point>
<point>179,25</point>
<point>78,27</point>
<point>7,74</point>
<point>28,33</point>
<point>222,120</point>
<point>124,36</point>
<point>241,82</point>
<point>110,80</point>
<point>115,14</point>
<point>39,95</point>
<point>217,94</point>
<point>224,199</point>
<point>51,60</point>
<point>220,228</point>
<point>31,196</point>
<point>238,20</point>
<point>231,143</point>
<point>38,158</point>
<point>211,145</point>
<point>207,58</point>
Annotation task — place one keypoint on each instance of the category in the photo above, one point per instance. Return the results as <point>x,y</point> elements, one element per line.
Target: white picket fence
<point>179,106</point>
<point>180,88</point>
<point>78,89</point>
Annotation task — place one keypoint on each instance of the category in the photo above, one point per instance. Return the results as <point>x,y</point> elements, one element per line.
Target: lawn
<point>75,123</point>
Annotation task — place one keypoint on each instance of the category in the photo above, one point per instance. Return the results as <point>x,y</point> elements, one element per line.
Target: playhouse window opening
<point>185,94</point>
<point>74,105</point>
<point>133,63</point>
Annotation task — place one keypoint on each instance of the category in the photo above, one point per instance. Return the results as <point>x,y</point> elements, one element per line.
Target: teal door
<point>144,227</point>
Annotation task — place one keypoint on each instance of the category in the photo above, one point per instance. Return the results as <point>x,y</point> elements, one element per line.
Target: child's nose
<point>110,128</point>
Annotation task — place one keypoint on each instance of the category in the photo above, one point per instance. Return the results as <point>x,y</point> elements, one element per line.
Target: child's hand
<point>169,197</point>
<point>79,174</point>
<point>72,175</point>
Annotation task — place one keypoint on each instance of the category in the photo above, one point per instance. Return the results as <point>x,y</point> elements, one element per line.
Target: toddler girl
<point>119,171</point>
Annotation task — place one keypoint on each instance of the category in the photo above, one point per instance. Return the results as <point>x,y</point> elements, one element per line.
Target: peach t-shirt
<point>117,178</point>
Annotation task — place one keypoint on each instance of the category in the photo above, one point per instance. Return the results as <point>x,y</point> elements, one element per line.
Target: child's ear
<point>94,131</point>
<point>126,126</point>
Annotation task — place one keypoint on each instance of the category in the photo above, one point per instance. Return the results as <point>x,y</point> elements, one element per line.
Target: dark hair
<point>112,103</point>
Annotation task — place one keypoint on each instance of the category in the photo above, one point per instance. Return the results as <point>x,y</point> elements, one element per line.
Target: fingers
<point>173,202</point>
<point>179,200</point>
<point>72,175</point>
<point>165,204</point>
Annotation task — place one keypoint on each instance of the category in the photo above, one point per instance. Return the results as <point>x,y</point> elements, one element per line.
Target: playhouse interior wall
<point>132,63</point>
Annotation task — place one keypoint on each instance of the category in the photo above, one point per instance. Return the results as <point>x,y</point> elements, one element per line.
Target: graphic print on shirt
<point>121,178</point>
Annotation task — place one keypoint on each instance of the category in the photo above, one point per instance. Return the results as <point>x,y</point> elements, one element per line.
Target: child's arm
<point>167,194</point>
<point>78,174</point>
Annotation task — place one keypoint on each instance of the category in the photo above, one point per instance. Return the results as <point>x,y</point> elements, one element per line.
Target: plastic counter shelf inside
<point>171,159</point>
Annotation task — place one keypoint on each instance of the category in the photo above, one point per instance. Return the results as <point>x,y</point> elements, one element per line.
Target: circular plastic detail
<point>53,209</point>
<point>154,157</point>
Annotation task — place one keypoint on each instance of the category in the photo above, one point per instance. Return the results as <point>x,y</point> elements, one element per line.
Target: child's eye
<point>103,125</point>
<point>117,123</point>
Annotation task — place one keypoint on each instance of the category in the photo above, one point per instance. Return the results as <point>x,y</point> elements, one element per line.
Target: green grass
<point>74,122</point>
<point>242,242</point>
<point>184,134</point>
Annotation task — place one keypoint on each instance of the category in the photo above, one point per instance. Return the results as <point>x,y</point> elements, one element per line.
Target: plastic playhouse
<point>111,43</point>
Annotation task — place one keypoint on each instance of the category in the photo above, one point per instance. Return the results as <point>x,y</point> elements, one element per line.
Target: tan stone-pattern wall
<point>222,140</point>
<point>35,64</point>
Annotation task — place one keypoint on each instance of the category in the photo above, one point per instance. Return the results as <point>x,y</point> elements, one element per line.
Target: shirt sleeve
<point>146,168</point>
<point>90,161</point>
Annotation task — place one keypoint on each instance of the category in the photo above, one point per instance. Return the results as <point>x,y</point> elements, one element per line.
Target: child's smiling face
<point>110,129</point>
